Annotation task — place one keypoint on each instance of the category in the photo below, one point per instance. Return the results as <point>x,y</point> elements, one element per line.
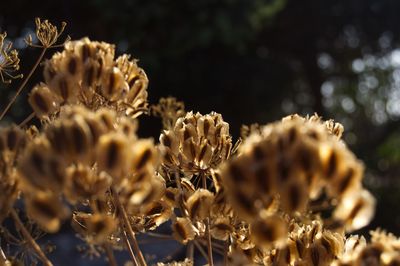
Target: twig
<point>128,226</point>
<point>208,234</point>
<point>190,251</point>
<point>23,83</point>
<point>226,248</point>
<point>26,120</point>
<point>129,247</point>
<point>110,255</point>
<point>3,257</point>
<point>200,248</point>
<point>29,238</point>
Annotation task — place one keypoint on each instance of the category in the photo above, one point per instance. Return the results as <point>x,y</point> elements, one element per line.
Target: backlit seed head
<point>269,231</point>
<point>296,159</point>
<point>113,85</point>
<point>83,182</point>
<point>43,101</point>
<point>40,169</point>
<point>221,228</point>
<point>47,210</point>
<point>144,154</point>
<point>113,154</point>
<point>169,110</point>
<point>196,143</point>
<point>356,210</point>
<point>199,204</point>
<point>183,230</point>
<point>100,227</point>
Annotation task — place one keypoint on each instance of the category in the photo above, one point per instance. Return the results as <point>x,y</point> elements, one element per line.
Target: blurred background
<point>252,61</point>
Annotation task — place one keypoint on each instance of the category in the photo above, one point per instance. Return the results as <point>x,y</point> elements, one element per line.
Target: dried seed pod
<point>64,88</point>
<point>221,228</point>
<point>100,226</point>
<point>43,101</point>
<point>183,230</point>
<point>356,211</point>
<point>113,85</point>
<point>199,204</point>
<point>47,210</point>
<point>40,169</point>
<point>144,154</point>
<point>269,231</point>
<point>112,154</point>
<point>84,182</point>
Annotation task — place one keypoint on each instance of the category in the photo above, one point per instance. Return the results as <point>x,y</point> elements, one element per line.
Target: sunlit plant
<point>285,193</point>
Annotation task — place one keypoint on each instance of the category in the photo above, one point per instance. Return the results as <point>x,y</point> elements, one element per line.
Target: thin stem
<point>208,234</point>
<point>26,120</point>
<point>29,238</point>
<point>152,234</point>
<point>226,248</point>
<point>110,255</point>
<point>190,251</point>
<point>128,226</point>
<point>3,257</point>
<point>200,248</point>
<point>23,83</point>
<point>129,247</point>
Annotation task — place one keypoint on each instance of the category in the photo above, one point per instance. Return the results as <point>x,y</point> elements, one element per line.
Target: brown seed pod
<point>356,210</point>
<point>113,155</point>
<point>113,84</point>
<point>199,204</point>
<point>100,226</point>
<point>183,230</point>
<point>269,231</point>
<point>47,210</point>
<point>43,101</point>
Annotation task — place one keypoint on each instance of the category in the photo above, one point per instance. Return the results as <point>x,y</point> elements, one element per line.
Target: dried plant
<point>289,194</point>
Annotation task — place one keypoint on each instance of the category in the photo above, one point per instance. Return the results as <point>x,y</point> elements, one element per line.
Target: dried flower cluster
<point>87,73</point>
<point>289,194</point>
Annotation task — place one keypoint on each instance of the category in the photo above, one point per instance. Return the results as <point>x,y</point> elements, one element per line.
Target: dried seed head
<point>269,231</point>
<point>183,230</point>
<point>100,227</point>
<point>199,204</point>
<point>197,143</point>
<point>47,210</point>
<point>169,110</point>
<point>113,154</point>
<point>9,62</point>
<point>356,210</point>
<point>43,101</point>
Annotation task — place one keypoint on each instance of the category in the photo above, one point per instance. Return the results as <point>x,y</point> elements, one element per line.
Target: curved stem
<point>29,238</point>
<point>23,83</point>
<point>128,227</point>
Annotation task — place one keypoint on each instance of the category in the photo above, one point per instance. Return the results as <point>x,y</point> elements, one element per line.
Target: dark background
<point>252,61</point>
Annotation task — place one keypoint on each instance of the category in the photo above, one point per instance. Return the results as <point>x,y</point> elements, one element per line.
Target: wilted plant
<point>287,193</point>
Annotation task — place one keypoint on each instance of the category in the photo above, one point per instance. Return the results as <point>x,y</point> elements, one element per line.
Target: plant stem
<point>208,235</point>
<point>226,247</point>
<point>110,255</point>
<point>23,83</point>
<point>26,120</point>
<point>3,257</point>
<point>29,238</point>
<point>129,247</point>
<point>128,226</point>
